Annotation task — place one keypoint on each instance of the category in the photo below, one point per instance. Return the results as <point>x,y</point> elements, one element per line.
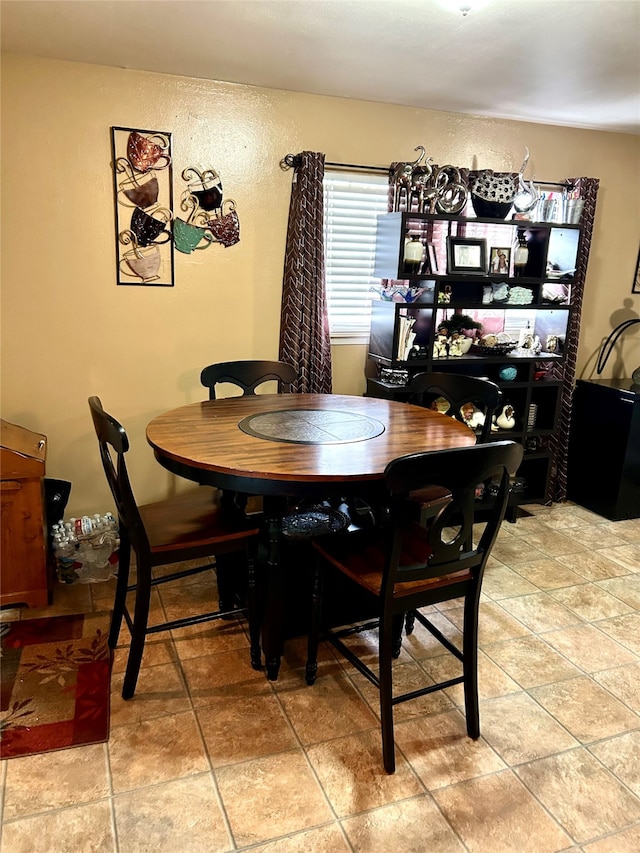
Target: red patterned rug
<point>55,683</point>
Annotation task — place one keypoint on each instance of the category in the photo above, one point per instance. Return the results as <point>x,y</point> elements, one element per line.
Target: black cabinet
<point>513,280</point>
<point>604,448</point>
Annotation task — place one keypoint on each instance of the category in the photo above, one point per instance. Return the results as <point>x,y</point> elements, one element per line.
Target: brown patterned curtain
<point>304,321</point>
<point>560,439</point>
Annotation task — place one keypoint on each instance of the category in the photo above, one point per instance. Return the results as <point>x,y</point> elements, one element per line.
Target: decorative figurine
<point>441,345</point>
<point>473,417</point>
<point>526,196</point>
<point>444,297</point>
<point>455,345</point>
<point>506,420</point>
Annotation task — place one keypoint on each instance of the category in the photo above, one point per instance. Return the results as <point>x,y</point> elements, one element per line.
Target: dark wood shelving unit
<point>537,389</point>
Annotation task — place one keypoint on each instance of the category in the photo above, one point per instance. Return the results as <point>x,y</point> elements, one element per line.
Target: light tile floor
<point>211,757</point>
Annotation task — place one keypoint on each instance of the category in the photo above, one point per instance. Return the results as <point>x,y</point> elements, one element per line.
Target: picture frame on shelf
<point>499,260</point>
<point>466,256</point>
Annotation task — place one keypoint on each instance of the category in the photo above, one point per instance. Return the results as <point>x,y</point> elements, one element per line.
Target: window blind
<point>352,203</point>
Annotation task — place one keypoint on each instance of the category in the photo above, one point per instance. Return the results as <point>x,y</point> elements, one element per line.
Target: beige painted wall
<point>68,331</point>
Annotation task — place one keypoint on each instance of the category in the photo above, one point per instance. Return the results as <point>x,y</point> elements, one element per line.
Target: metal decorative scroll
<point>143,193</point>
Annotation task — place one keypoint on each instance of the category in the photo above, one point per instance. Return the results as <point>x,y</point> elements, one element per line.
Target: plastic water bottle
<point>86,548</point>
<point>65,553</point>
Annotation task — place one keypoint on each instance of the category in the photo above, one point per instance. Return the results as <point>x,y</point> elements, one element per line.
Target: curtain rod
<point>353,167</point>
<point>290,161</point>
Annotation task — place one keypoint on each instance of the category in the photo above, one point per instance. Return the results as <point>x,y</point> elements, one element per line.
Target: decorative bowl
<point>492,193</point>
<point>490,209</point>
<point>497,349</point>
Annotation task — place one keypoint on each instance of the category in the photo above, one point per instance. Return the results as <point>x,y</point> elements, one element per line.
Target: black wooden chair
<point>189,527</point>
<point>247,375</point>
<point>459,390</point>
<point>408,564</point>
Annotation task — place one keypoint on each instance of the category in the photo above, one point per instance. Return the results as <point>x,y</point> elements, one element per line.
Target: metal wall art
<point>210,219</point>
<point>146,228</point>
<point>143,192</point>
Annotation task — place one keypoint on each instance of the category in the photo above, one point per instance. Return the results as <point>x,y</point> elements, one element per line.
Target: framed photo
<point>635,287</point>
<point>466,255</point>
<point>499,260</point>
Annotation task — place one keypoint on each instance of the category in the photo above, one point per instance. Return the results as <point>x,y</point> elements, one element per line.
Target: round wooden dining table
<point>298,446</point>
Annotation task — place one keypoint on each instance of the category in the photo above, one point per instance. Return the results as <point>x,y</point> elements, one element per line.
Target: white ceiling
<point>562,62</point>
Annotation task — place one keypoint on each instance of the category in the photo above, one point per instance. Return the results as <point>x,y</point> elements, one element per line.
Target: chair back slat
<point>459,390</point>
<point>114,444</point>
<point>442,544</point>
<point>247,375</point>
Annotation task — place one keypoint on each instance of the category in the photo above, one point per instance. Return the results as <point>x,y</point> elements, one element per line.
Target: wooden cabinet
<point>520,296</point>
<point>25,575</point>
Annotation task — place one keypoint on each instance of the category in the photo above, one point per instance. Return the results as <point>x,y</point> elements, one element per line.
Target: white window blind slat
<point>351,207</point>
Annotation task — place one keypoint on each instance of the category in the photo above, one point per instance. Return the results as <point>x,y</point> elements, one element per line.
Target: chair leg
<point>470,664</point>
<point>253,611</point>
<point>138,631</point>
<point>314,627</point>
<point>227,574</point>
<point>386,693</point>
<point>409,622</point>
<point>120,598</point>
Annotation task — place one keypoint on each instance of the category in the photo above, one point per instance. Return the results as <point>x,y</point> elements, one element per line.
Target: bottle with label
<point>521,254</point>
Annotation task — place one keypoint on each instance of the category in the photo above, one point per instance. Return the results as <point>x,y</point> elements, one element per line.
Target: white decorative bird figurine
<point>505,419</point>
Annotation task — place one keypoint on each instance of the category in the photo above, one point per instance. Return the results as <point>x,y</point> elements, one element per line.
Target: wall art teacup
<point>206,187</point>
<point>148,152</point>
<point>142,263</point>
<point>143,180</point>
<point>136,190</point>
<point>226,228</point>
<point>151,227</point>
<point>188,238</point>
